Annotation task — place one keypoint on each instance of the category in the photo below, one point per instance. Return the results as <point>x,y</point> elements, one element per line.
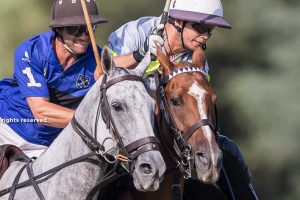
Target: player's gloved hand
<point>152,42</point>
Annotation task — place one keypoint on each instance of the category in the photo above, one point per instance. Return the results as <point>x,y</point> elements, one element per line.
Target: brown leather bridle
<point>130,152</point>
<point>183,156</point>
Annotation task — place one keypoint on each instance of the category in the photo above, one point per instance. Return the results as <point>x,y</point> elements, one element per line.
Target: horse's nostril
<point>146,168</point>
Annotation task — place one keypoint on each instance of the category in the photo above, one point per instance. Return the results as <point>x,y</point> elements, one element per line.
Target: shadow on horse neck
<point>115,114</point>
<point>186,124</point>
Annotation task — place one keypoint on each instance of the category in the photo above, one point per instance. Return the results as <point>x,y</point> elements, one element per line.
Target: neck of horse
<point>167,142</point>
<point>164,191</point>
<point>173,175</point>
<point>80,177</point>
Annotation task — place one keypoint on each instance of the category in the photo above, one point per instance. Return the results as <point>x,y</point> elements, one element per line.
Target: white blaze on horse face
<point>199,94</point>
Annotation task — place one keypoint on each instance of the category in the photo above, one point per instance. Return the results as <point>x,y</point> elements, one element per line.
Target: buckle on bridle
<point>185,165</point>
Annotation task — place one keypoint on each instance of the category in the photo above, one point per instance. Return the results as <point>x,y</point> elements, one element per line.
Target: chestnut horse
<point>186,122</point>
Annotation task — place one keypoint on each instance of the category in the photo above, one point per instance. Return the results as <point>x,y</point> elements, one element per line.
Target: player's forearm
<point>125,61</point>
<point>48,113</point>
<point>56,116</point>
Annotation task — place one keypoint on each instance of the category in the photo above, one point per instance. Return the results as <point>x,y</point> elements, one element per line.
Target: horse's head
<point>126,101</point>
<point>190,101</point>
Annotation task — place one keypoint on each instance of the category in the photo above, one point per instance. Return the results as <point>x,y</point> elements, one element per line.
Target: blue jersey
<point>38,73</point>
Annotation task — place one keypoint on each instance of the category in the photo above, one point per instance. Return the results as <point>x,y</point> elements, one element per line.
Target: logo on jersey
<point>82,81</point>
<point>26,57</point>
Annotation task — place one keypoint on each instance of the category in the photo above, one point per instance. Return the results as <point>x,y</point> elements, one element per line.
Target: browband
<point>176,72</point>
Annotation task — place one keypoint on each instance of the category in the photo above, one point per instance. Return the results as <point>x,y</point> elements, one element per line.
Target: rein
<point>41,177</point>
<point>131,151</point>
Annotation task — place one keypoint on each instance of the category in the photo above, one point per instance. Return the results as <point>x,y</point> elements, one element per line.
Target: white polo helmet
<point>201,11</point>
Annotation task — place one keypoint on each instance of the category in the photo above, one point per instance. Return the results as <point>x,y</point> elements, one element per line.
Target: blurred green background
<point>254,70</point>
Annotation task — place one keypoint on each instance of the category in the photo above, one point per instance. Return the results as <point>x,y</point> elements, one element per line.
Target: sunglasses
<point>203,28</point>
<point>77,31</point>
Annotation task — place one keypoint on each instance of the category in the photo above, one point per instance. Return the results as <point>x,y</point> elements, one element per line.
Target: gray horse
<point>132,110</point>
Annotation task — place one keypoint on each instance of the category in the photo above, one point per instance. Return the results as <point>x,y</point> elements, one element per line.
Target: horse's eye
<point>117,106</point>
<point>175,101</point>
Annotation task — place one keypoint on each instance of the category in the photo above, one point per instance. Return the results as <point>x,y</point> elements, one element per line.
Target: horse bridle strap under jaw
<point>92,143</point>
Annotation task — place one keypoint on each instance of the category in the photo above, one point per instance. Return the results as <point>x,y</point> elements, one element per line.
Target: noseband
<point>138,147</point>
<point>184,157</point>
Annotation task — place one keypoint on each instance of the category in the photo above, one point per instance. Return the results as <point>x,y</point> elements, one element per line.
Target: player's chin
<point>193,46</point>
<point>80,48</point>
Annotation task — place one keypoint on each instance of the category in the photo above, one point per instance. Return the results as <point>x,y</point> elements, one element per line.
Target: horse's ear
<point>199,58</point>
<point>143,65</point>
<point>166,66</point>
<point>107,62</point>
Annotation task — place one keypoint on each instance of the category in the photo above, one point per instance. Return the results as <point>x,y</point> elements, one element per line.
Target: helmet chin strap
<point>60,37</point>
<point>179,30</point>
<point>181,35</point>
<point>203,46</point>
<point>69,49</point>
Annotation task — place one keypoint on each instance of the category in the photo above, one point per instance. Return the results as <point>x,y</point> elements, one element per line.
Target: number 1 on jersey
<point>32,82</point>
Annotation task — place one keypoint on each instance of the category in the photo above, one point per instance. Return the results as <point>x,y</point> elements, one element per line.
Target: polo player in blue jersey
<point>52,73</point>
